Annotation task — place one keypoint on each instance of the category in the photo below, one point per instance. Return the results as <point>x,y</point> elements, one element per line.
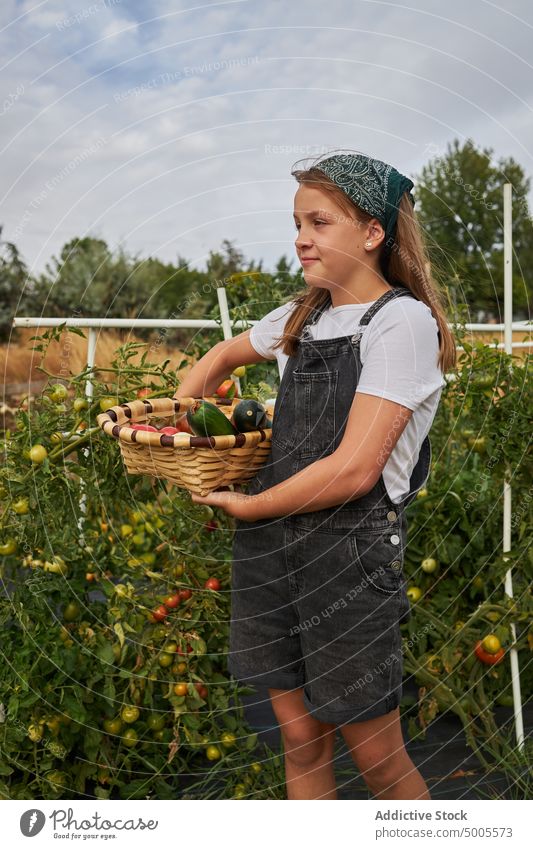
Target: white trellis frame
<point>508,326</point>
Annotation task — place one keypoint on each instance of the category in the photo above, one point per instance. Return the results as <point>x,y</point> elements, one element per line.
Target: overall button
<point>395,539</point>
<point>391,516</point>
<point>396,564</point>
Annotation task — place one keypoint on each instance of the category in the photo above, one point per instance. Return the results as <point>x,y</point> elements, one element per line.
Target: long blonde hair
<point>408,265</point>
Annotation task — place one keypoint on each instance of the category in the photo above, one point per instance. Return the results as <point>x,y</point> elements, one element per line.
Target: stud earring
<point>368,244</point>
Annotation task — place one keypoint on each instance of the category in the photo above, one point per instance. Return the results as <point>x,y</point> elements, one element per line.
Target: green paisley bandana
<point>371,184</point>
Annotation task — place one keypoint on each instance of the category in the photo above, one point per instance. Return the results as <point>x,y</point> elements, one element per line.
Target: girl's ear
<point>374,233</point>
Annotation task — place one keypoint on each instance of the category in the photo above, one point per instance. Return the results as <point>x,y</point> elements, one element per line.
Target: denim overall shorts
<point>318,597</point>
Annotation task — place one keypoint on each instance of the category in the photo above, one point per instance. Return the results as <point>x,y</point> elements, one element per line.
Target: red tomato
<point>201,689</point>
<point>185,594</point>
<point>183,426</point>
<point>211,525</point>
<point>486,657</point>
<point>142,393</point>
<point>212,584</point>
<point>227,389</point>
<point>148,428</point>
<point>172,601</point>
<point>170,431</point>
<point>160,613</point>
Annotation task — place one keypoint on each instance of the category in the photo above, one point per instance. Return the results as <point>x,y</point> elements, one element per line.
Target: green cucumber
<point>205,419</point>
<point>249,415</point>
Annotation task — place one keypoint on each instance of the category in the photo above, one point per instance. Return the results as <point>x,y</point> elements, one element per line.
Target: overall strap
<point>397,292</point>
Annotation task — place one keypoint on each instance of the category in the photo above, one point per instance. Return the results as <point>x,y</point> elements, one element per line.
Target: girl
<point>318,589</point>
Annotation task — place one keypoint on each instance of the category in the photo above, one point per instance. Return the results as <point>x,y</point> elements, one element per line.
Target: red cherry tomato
<point>486,657</point>
<point>172,601</point>
<point>170,431</point>
<point>212,584</point>
<point>185,594</point>
<point>160,613</point>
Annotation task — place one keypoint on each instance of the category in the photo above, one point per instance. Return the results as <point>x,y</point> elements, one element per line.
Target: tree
<point>13,279</point>
<point>460,205</point>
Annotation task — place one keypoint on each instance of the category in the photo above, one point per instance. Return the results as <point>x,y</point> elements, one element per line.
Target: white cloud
<point>203,83</point>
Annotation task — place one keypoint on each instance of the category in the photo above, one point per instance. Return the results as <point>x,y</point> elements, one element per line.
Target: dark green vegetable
<point>205,419</point>
<point>249,415</point>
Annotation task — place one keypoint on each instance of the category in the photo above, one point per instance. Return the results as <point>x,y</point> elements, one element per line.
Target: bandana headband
<point>373,185</point>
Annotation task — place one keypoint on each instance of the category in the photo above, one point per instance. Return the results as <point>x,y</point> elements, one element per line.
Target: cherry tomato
<point>165,659</point>
<point>202,690</point>
<point>256,767</point>
<point>38,454</point>
<point>107,402</point>
<point>79,404</point>
<point>170,431</point>
<point>113,726</point>
<point>71,612</point>
<point>486,657</point>
<point>21,507</point>
<point>130,737</point>
<point>491,644</point>
<point>8,547</point>
<point>181,668</point>
<point>156,722</point>
<point>172,601</point>
<point>129,713</point>
<point>240,371</point>
<point>160,613</point>
<point>181,689</point>
<point>228,739</point>
<point>429,565</point>
<point>212,584</point>
<point>185,594</point>
<point>213,753</point>
<point>414,594</point>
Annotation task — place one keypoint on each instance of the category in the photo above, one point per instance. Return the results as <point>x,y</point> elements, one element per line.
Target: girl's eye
<point>316,221</point>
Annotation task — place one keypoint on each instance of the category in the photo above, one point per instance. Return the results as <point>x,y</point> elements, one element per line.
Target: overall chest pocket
<point>315,397</point>
<point>379,556</point>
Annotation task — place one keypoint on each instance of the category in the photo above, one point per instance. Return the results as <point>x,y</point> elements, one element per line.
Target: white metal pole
<point>89,392</point>
<point>508,340</point>
<point>226,323</point>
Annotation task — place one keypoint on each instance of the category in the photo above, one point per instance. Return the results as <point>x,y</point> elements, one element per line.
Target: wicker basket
<point>197,463</point>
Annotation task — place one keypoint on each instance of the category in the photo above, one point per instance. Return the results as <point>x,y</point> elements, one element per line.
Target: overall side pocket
<point>379,554</point>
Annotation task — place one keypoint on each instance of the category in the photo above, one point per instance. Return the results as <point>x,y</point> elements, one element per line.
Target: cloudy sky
<point>167,126</point>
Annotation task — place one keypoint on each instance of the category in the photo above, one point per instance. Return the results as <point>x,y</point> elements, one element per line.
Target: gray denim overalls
<point>318,597</point>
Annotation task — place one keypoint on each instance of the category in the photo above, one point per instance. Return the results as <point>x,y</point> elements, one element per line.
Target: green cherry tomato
<point>71,611</point>
<point>37,454</point>
<point>414,594</point>
<point>130,737</point>
<point>58,393</point>
<point>228,739</point>
<point>21,507</point>
<point>213,753</point>
<point>8,547</point>
<point>429,565</point>
<point>156,722</point>
<point>107,402</point>
<point>113,726</point>
<point>79,404</point>
<point>129,713</point>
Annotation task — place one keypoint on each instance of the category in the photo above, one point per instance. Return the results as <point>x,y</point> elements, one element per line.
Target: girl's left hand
<point>235,503</point>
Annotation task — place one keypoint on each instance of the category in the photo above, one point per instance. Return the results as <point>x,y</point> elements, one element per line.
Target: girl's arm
<point>373,428</point>
<point>208,373</point>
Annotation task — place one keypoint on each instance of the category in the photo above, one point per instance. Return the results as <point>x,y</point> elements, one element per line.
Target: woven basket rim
<point>110,423</point>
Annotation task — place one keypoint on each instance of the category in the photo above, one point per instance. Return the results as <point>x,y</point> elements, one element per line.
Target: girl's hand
<point>234,503</point>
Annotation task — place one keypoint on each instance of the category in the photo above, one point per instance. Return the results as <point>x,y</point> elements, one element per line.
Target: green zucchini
<point>248,415</point>
<point>205,419</point>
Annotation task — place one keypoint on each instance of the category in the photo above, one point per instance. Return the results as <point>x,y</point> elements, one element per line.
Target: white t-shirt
<point>399,351</point>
